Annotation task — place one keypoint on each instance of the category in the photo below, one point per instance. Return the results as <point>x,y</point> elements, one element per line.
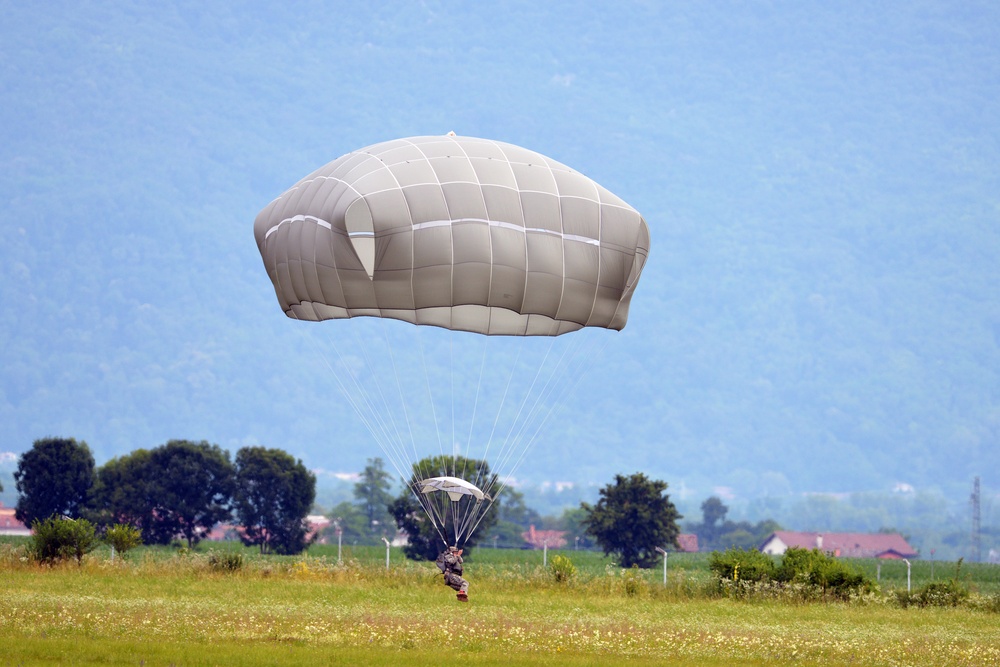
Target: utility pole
<point>976,516</point>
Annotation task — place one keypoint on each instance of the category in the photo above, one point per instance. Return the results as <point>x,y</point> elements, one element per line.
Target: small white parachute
<point>454,487</point>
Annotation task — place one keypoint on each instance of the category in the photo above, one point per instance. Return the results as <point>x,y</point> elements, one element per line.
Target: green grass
<point>162,607</point>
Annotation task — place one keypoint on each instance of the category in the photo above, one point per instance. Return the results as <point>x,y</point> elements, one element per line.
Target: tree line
<point>182,489</point>
<point>177,491</point>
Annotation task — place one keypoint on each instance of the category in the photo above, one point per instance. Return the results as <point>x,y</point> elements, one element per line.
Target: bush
<point>226,561</point>
<point>802,572</point>
<point>822,572</point>
<point>634,582</point>
<point>742,565</point>
<point>562,568</point>
<point>57,539</point>
<point>123,538</point>
<point>949,593</point>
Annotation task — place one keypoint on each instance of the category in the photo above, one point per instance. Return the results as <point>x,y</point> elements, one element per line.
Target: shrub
<point>949,593</point>
<point>742,565</point>
<point>226,561</point>
<point>57,539</point>
<point>822,572</point>
<point>802,573</point>
<point>123,538</point>
<point>562,568</point>
<point>633,581</point>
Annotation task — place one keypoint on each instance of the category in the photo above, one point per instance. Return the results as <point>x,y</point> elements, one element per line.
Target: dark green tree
<point>425,541</point>
<point>272,497</point>
<point>123,494</point>
<point>632,517</point>
<point>58,538</point>
<point>191,484</point>
<point>55,477</point>
<point>373,497</point>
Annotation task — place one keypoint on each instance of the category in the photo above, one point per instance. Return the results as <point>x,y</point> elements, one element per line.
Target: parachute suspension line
<point>372,420</point>
<point>438,520</point>
<point>370,415</point>
<point>509,444</point>
<point>394,448</point>
<point>472,517</point>
<point>569,358</point>
<point>496,419</point>
<point>399,387</point>
<point>430,393</point>
<point>572,363</point>
<point>451,377</point>
<point>515,435</point>
<point>469,512</point>
<point>358,400</point>
<point>578,360</point>
<point>475,405</point>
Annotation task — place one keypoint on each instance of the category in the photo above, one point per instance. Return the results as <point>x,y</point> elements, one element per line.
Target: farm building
<point>847,545</point>
<point>9,525</point>
<point>687,543</point>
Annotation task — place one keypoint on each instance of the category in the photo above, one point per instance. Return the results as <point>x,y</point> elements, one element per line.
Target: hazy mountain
<point>820,309</point>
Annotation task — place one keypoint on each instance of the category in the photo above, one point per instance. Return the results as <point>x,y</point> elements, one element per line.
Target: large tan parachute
<point>468,235</point>
<point>457,232</point>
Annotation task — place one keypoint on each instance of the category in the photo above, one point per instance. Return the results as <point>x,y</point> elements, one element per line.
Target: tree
<point>511,508</point>
<point>58,538</point>
<point>513,517</point>
<point>372,494</point>
<point>714,532</point>
<point>573,521</point>
<point>425,542</point>
<point>352,523</point>
<point>713,516</point>
<point>191,485</point>
<point>123,494</point>
<point>54,477</point>
<point>122,538</point>
<point>273,495</point>
<point>632,518</point>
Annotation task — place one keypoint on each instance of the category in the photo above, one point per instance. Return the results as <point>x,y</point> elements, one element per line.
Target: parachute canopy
<point>458,232</point>
<point>454,487</point>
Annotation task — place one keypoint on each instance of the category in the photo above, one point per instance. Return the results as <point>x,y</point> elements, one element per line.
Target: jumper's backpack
<point>440,562</point>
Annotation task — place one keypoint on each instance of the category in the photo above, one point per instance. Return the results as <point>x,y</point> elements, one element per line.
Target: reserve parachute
<point>461,234</point>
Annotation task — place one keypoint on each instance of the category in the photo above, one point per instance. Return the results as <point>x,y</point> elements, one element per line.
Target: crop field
<point>173,607</point>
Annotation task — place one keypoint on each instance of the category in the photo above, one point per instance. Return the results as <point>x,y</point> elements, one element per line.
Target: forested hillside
<point>819,312</point>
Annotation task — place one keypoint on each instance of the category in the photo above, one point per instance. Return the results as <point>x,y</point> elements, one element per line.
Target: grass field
<point>164,607</point>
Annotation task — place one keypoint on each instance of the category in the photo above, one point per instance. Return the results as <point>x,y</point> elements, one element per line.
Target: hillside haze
<point>819,311</point>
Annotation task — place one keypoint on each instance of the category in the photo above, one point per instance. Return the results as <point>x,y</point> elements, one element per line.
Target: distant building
<point>537,539</point>
<point>846,545</point>
<point>687,543</point>
<point>222,532</point>
<point>9,525</point>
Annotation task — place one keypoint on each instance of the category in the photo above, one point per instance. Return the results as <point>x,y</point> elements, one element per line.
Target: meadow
<point>173,607</point>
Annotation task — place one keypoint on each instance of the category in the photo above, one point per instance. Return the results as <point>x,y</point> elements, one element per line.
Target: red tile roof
<point>848,545</point>
<point>687,542</point>
<point>9,525</point>
<point>554,539</point>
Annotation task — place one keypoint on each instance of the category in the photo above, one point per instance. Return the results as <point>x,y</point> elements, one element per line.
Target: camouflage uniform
<point>453,571</point>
